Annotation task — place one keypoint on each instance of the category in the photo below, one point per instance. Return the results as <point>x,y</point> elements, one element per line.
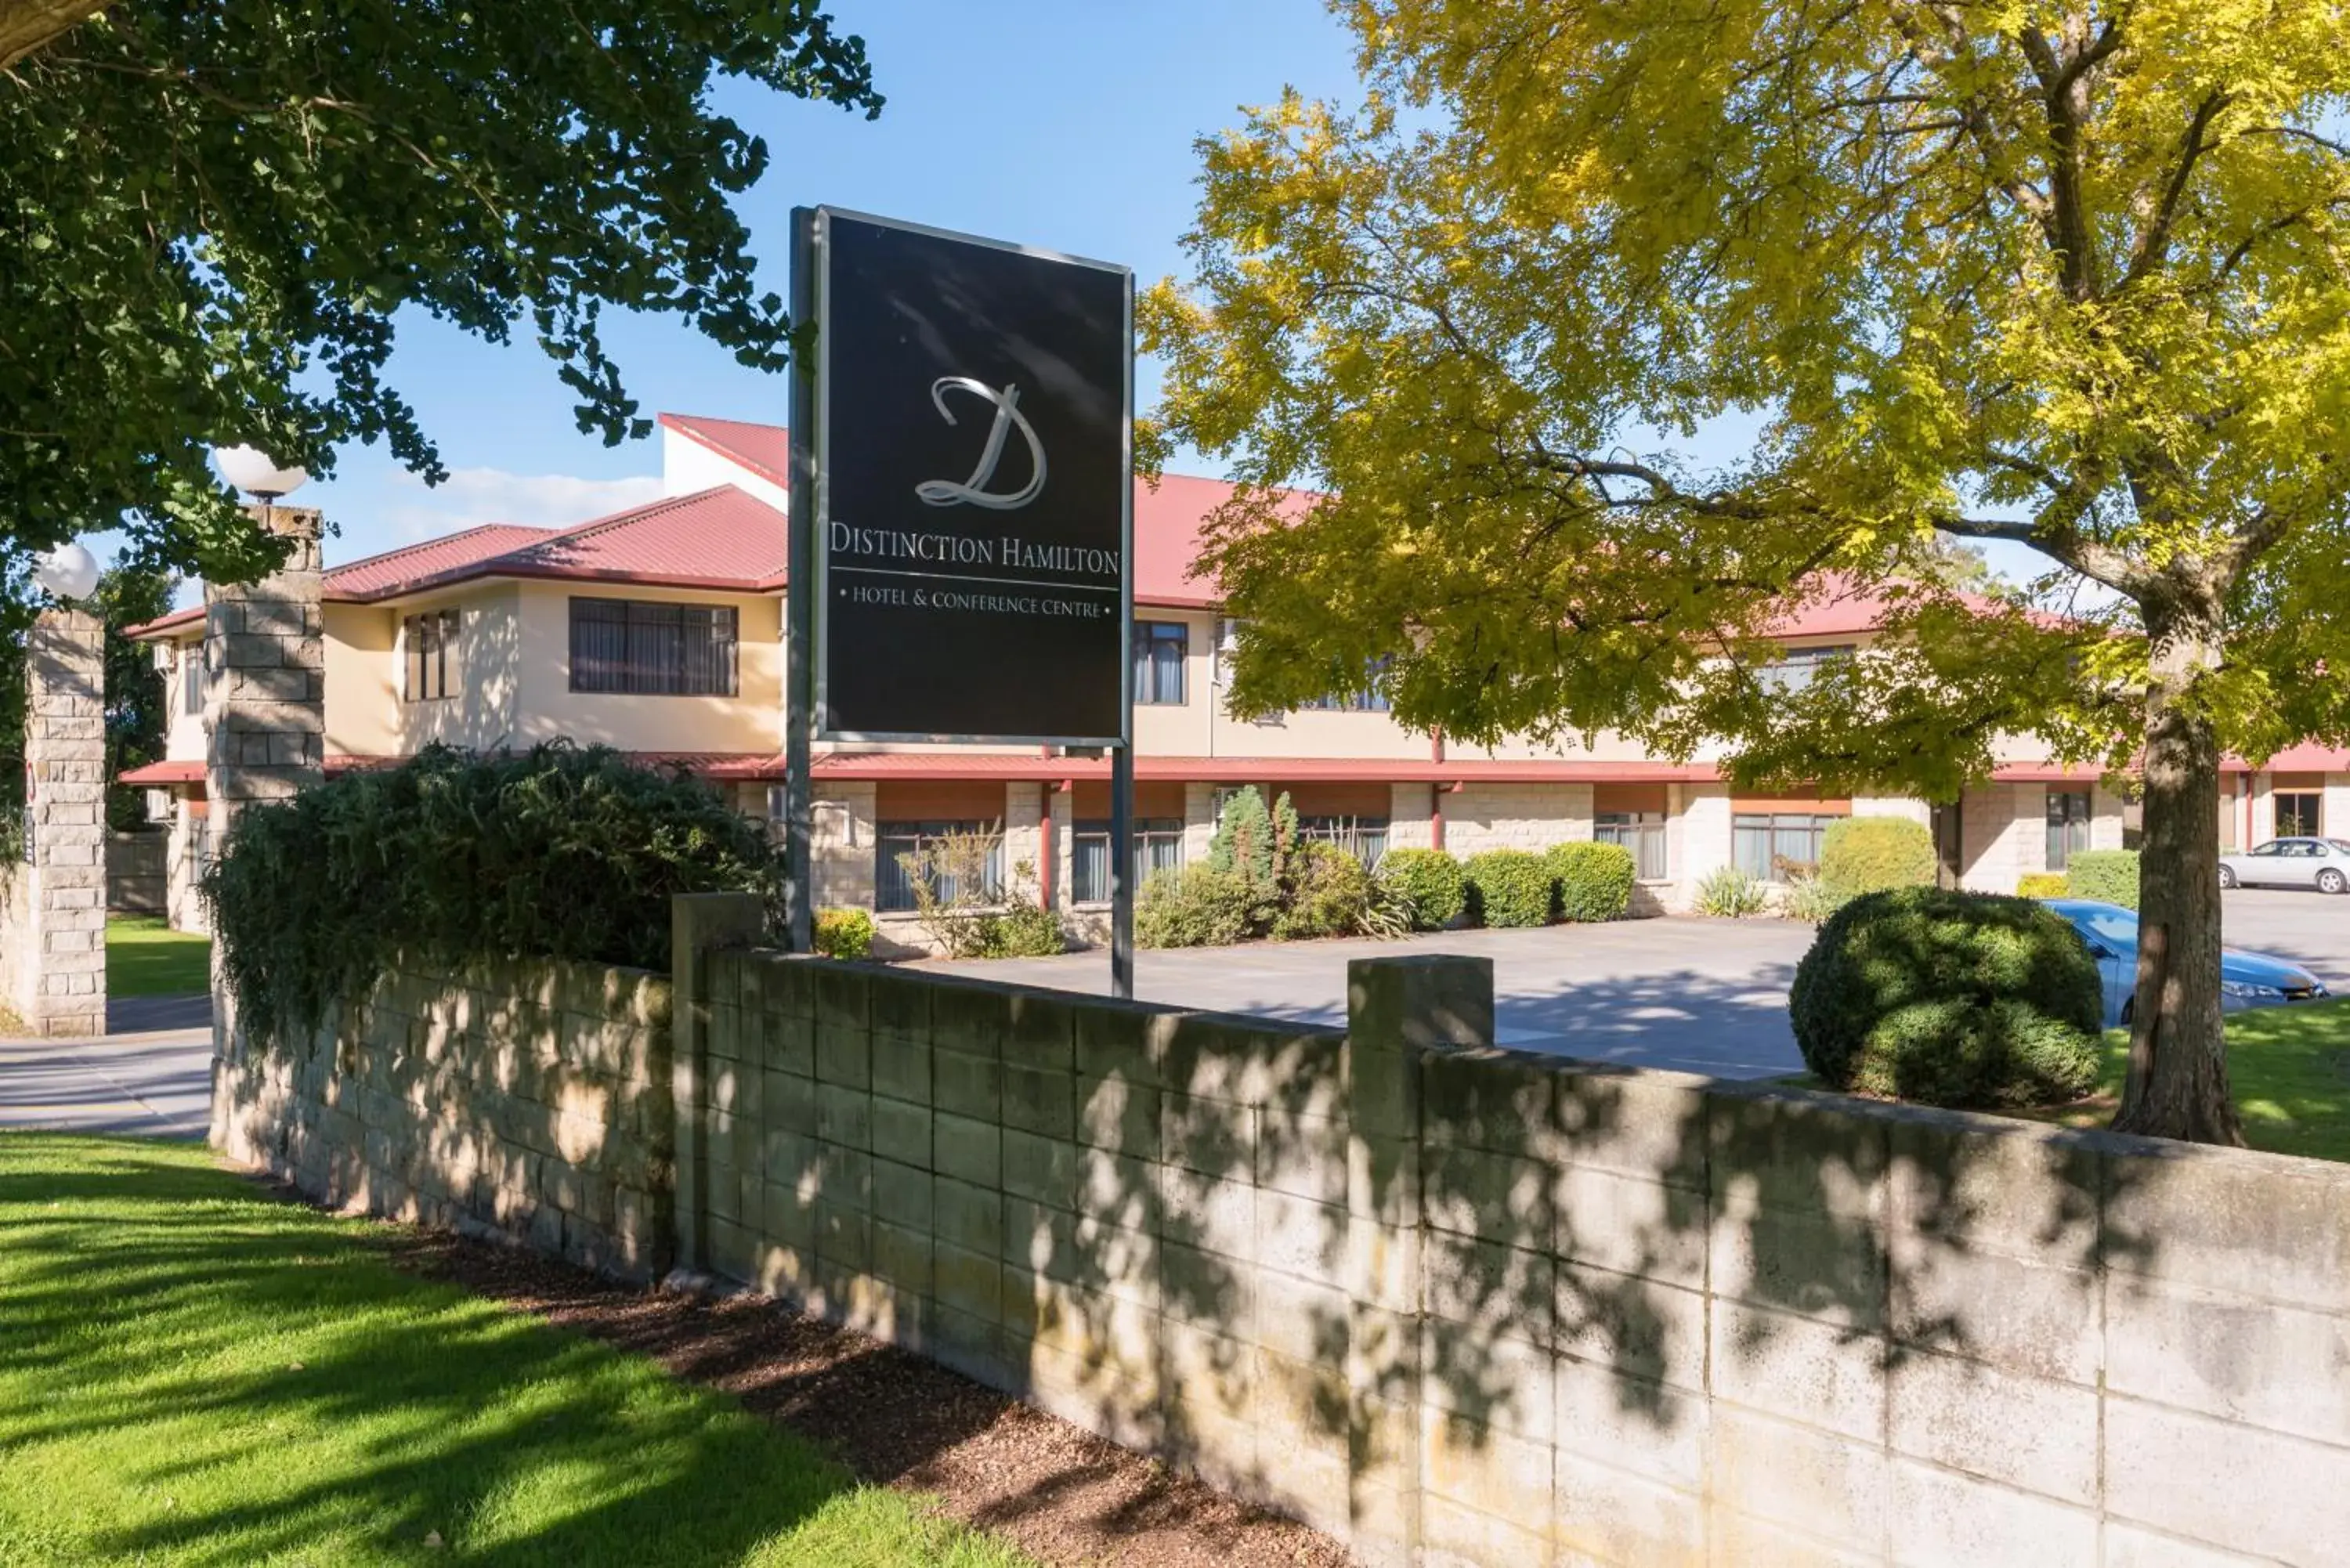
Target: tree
<point>2070,277</point>
<point>215,208</point>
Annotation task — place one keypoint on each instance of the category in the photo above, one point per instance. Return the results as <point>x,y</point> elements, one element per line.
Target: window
<point>1158,649</point>
<point>893,890</point>
<point>2296,814</point>
<point>663,650</point>
<point>1776,847</point>
<point>1642,833</point>
<point>1364,838</point>
<point>191,677</point>
<point>1793,670</point>
<point>1157,846</point>
<point>2068,825</point>
<point>1228,647</point>
<point>428,644</point>
<point>1371,698</point>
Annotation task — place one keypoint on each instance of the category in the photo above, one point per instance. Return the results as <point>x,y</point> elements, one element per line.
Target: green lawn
<point>2288,1067</point>
<point>192,1373</point>
<point>145,957</point>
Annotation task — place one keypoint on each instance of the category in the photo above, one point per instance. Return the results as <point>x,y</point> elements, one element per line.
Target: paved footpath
<point>151,1084</point>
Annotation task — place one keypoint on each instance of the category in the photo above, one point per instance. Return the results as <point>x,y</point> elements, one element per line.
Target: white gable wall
<point>688,466</point>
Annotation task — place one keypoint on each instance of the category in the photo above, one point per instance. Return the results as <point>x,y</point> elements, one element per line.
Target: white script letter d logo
<point>973,491</point>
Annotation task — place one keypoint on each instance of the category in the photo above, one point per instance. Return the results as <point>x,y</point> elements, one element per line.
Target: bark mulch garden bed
<point>1059,1493</point>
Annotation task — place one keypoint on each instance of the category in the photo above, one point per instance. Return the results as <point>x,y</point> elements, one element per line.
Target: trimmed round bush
<point>1329,895</point>
<point>1024,931</point>
<point>1430,883</point>
<point>1200,906</point>
<point>2043,885</point>
<point>2108,876</point>
<point>1511,888</point>
<point>843,933</point>
<point>1594,880</point>
<point>1950,999</point>
<point>1870,854</point>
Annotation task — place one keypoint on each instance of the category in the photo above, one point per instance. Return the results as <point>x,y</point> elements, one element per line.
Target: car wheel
<point>2227,875</point>
<point>2332,881</point>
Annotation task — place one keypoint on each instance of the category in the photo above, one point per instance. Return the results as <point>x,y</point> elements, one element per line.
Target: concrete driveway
<point>1695,995</point>
<point>154,1084</point>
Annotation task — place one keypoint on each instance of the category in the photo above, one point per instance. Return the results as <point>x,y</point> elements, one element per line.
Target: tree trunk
<point>2177,1083</point>
<point>28,25</point>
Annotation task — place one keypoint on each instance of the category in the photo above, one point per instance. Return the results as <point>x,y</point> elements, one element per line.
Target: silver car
<point>2320,862</point>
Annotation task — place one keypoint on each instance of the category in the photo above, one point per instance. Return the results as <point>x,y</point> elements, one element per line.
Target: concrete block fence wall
<point>530,1101</point>
<point>1457,1305</point>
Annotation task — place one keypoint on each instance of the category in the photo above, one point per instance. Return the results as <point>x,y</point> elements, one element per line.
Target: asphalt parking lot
<point>1694,995</point>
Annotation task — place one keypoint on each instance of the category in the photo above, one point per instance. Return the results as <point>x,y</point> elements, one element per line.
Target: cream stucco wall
<point>546,707</point>
<point>183,739</point>
<point>362,655</point>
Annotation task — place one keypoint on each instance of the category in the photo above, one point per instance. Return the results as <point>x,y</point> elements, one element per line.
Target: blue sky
<point>1063,123</point>
<point>1067,124</point>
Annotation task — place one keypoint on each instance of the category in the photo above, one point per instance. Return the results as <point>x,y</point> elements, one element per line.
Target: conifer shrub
<point>843,933</point>
<point>1594,880</point>
<point>560,852</point>
<point>2108,876</point>
<point>1947,998</point>
<point>1429,884</point>
<point>1870,854</point>
<point>1511,888</point>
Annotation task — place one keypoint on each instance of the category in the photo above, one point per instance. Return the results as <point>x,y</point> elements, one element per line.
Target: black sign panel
<point>974,414</point>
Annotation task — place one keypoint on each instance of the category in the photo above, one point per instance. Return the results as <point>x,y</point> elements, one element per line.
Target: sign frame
<point>819,273</point>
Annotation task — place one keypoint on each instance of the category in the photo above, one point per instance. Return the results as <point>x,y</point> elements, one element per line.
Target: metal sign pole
<point>1121,873</point>
<point>799,602</point>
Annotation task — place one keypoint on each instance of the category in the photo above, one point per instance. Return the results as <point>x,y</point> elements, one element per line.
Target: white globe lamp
<point>67,572</point>
<point>256,473</point>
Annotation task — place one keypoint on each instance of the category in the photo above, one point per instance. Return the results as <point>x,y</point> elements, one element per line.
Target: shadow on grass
<point>191,1372</point>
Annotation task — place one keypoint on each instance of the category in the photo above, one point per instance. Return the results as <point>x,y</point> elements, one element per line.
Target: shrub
<point>1429,885</point>
<point>2043,885</point>
<point>1510,888</point>
<point>1950,999</point>
<point>557,852</point>
<point>1731,893</point>
<point>1024,931</point>
<point>843,933</point>
<point>1870,854</point>
<point>1329,895</point>
<point>2108,876</point>
<point>1811,900</point>
<point>1200,906</point>
<point>1594,880</point>
<point>1243,839</point>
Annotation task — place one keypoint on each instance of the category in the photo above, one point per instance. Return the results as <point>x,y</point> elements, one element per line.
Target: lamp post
<point>67,572</point>
<point>257,473</point>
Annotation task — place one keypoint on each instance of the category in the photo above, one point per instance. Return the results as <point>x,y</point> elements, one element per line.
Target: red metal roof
<point>721,538</point>
<point>764,450</point>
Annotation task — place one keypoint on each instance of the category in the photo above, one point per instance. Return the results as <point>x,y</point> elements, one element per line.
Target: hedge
<point>2107,876</point>
<point>1594,880</point>
<point>1950,999</point>
<point>2043,885</point>
<point>1870,854</point>
<point>1511,886</point>
<point>1431,884</point>
<point>557,852</point>
<point>1199,906</point>
<point>843,933</point>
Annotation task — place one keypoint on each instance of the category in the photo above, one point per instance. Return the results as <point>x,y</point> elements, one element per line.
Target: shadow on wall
<point>1424,1294</point>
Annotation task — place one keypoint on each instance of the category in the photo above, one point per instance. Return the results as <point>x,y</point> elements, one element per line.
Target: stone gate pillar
<point>264,711</point>
<point>60,961</point>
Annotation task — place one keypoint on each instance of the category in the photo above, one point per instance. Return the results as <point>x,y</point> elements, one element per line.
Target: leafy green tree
<point>215,208</point>
<point>2073,276</point>
<point>138,701</point>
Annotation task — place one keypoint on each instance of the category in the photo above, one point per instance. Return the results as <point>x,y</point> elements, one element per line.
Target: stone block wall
<point>530,1101</point>
<point>1456,1305</point>
<point>1481,817</point>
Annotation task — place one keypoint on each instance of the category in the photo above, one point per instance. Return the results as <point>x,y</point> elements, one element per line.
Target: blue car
<point>2246,979</point>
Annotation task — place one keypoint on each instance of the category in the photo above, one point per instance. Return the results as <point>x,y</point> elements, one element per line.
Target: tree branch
<point>29,25</point>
